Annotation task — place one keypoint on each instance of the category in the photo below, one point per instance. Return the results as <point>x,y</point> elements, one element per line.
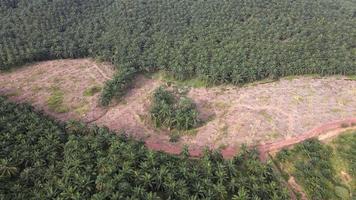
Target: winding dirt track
<point>336,127</point>
<point>266,147</point>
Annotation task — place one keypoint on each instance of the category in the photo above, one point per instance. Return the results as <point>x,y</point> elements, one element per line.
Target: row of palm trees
<point>219,41</point>
<point>42,159</point>
<point>117,86</point>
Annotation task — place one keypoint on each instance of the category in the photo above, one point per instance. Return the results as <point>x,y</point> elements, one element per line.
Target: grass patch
<point>267,116</point>
<point>352,77</point>
<point>36,88</point>
<point>82,108</point>
<point>273,135</point>
<point>195,82</point>
<point>13,93</point>
<point>91,90</point>
<point>292,77</point>
<point>298,99</point>
<point>57,80</point>
<point>55,101</point>
<point>336,110</point>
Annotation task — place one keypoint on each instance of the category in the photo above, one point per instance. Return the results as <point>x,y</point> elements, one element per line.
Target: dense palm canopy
<point>233,41</point>
<point>42,159</point>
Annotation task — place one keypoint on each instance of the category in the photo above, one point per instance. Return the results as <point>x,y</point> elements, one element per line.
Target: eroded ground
<point>232,115</point>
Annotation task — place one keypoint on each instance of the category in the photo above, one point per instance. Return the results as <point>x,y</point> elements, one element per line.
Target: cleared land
<point>253,114</point>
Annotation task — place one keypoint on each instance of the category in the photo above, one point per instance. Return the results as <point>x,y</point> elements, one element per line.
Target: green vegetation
<point>321,169</point>
<point>92,90</point>
<point>195,82</point>
<point>117,86</point>
<point>42,159</point>
<point>345,159</point>
<point>217,41</point>
<point>170,112</point>
<point>55,101</point>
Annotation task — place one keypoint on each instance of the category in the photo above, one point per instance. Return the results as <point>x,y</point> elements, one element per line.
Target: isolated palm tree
<point>6,169</point>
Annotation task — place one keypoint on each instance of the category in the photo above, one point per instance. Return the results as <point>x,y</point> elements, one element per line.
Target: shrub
<point>92,90</point>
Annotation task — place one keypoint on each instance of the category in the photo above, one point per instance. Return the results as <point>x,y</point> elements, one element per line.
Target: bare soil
<point>271,115</point>
<point>34,83</point>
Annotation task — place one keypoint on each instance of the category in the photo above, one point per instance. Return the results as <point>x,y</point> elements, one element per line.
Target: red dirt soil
<point>337,126</point>
<point>265,147</point>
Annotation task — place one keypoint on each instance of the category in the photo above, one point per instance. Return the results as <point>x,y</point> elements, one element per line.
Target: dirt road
<point>336,127</point>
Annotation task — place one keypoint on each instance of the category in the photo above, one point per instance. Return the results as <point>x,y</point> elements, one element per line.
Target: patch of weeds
<point>39,72</point>
<point>124,102</point>
<point>264,99</point>
<point>208,119</point>
<point>342,192</point>
<point>222,146</point>
<point>267,116</point>
<point>224,129</point>
<point>297,98</point>
<point>221,105</point>
<point>336,110</point>
<point>91,90</point>
<point>142,118</point>
<point>13,93</point>
<point>290,78</point>
<point>82,108</point>
<point>352,77</point>
<point>36,88</point>
<point>343,101</point>
<point>83,66</point>
<point>57,80</point>
<point>174,136</point>
<point>55,101</point>
<point>191,132</point>
<point>195,82</point>
<point>273,134</point>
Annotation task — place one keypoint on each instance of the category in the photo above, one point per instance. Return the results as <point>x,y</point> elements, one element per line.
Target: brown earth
<point>271,115</point>
<point>323,132</point>
<point>35,83</point>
